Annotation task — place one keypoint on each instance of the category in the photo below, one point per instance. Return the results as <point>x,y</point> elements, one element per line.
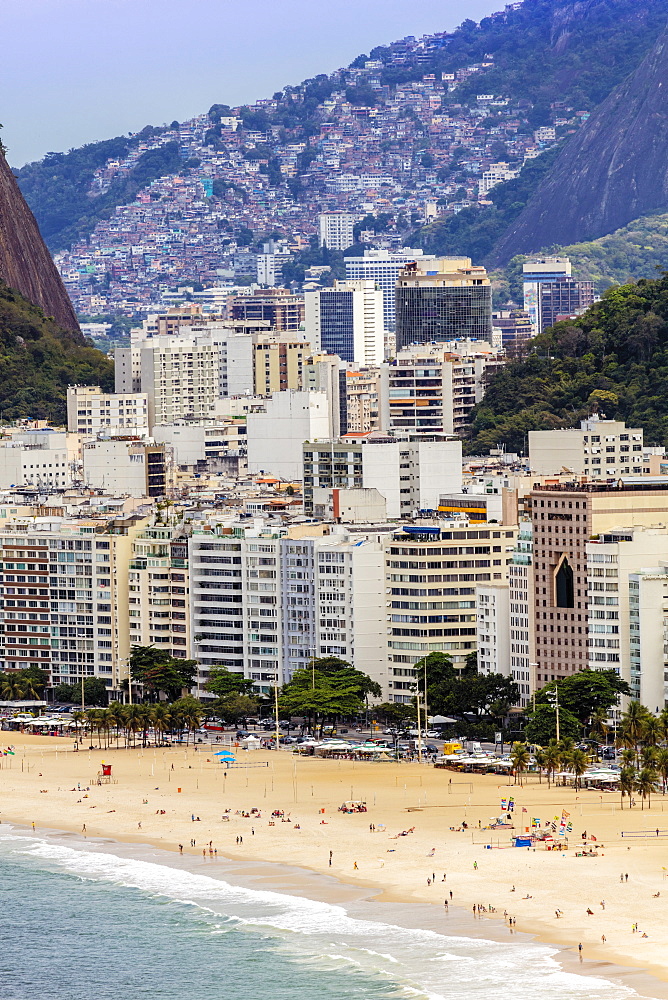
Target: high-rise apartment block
<point>446,298</point>
<point>623,565</point>
<point>552,293</point>
<point>383,267</point>
<point>431,389</point>
<point>347,320</point>
<point>409,473</point>
<point>91,412</point>
<point>63,597</point>
<point>596,449</point>
<point>432,572</point>
<point>158,590</point>
<point>564,519</point>
<point>335,230</point>
<point>516,330</point>
<point>281,309</point>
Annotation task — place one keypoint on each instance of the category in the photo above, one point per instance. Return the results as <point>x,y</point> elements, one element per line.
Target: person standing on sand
<point>180,848</point>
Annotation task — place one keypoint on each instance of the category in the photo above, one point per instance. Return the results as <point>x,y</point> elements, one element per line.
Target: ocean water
<point>79,921</point>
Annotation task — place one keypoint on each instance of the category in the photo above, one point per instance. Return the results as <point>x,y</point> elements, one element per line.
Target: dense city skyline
<point>99,70</point>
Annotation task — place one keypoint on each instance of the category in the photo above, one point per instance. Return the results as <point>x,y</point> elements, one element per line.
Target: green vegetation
<point>546,51</point>
<point>613,358</point>
<point>461,693</point>
<point>326,690</point>
<point>474,231</point>
<point>95,692</point>
<point>638,250</point>
<point>234,695</point>
<point>157,672</point>
<point>19,685</point>
<point>38,360</point>
<point>57,187</point>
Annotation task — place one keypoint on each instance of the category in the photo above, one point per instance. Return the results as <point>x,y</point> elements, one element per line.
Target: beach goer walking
<point>139,826</point>
<point>355,865</point>
<point>180,848</point>
<point>33,824</point>
<point>475,866</point>
<point>602,938</point>
<point>626,877</point>
<point>451,895</point>
<point>83,828</point>
<point>580,950</point>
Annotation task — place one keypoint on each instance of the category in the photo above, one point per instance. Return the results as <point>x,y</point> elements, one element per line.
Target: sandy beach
<point>155,793</point>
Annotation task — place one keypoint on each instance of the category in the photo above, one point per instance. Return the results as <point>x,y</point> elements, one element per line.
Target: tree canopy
<point>159,672</point>
<point>619,347</point>
<point>328,689</point>
<point>462,693</point>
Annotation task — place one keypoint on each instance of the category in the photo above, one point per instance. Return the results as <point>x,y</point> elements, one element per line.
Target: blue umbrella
<point>224,753</point>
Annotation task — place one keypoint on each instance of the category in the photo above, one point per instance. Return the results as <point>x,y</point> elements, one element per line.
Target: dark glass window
<point>564,586</point>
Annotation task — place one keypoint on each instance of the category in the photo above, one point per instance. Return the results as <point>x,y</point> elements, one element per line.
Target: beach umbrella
<point>224,753</point>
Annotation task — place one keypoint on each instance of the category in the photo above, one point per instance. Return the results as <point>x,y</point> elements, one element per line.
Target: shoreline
<point>356,900</point>
<point>294,855</point>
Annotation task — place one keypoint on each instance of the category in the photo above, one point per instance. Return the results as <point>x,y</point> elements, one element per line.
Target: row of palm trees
<point>561,756</point>
<point>134,723</point>
<point>643,768</point>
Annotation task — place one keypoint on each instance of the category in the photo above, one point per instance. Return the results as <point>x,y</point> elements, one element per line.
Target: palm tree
<point>627,782</point>
<point>645,784</point>
<point>133,721</point>
<point>145,722</point>
<point>552,759</point>
<point>12,689</point>
<point>578,763</point>
<point>628,757</point>
<point>162,720</point>
<point>599,724</point>
<point>519,757</point>
<point>634,721</point>
<point>652,731</point>
<point>661,763</point>
<point>540,761</point>
<point>116,717</point>
<point>78,718</point>
<point>648,756</point>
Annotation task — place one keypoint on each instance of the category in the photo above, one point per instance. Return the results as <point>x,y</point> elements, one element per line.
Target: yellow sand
<point>37,786</point>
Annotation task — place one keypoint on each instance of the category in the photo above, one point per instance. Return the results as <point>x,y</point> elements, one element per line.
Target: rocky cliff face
<point>613,170</point>
<point>25,262</point>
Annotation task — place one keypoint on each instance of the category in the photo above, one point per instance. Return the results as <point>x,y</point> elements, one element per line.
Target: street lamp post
<point>553,698</point>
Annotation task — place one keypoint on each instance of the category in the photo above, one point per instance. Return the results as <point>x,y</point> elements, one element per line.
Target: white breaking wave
<point>422,963</point>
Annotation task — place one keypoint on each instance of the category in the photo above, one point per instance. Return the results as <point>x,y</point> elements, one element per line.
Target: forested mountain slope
<point>614,358</point>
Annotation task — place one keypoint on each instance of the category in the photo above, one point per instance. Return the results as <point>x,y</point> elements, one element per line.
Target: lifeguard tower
<point>103,777</point>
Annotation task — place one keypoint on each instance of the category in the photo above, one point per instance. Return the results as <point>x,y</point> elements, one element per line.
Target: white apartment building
<point>184,375</point>
<point>598,448</point>
<point>125,466</point>
<point>333,604</point>
<point>42,459</point>
<point>158,590</point>
<point>410,473</point>
<point>335,230</point>
<point>347,320</point>
<point>63,597</point>
<point>220,442</point>
<point>493,628</point>
<point>614,559</point>
<point>432,571</point>
<point>432,388</point>
<point>522,629</point>
<point>265,600</point>
<point>495,174</point>
<point>383,267</point>
<point>91,412</point>
<point>648,636</point>
<point>276,433</point>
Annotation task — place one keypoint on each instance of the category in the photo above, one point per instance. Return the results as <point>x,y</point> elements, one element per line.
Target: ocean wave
<point>422,962</point>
